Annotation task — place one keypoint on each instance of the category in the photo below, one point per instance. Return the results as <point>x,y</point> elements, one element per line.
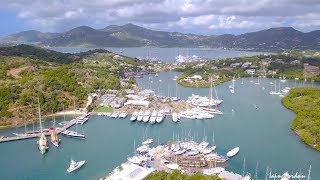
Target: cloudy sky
<point>189,16</point>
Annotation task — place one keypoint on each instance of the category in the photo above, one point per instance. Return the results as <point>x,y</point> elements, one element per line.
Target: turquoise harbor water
<point>263,135</point>
<point>167,54</point>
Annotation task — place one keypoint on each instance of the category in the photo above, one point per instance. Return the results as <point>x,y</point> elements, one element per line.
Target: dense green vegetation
<point>305,102</point>
<point>58,82</point>
<point>177,175</point>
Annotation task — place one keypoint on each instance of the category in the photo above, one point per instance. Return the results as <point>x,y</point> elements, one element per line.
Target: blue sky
<point>188,16</point>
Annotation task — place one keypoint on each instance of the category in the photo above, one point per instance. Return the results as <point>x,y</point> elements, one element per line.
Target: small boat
<point>73,134</point>
<point>156,75</point>
<point>75,165</point>
<point>175,117</point>
<point>233,152</point>
<point>134,116</point>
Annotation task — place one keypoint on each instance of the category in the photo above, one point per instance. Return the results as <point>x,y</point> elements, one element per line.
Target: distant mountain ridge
<point>130,35</point>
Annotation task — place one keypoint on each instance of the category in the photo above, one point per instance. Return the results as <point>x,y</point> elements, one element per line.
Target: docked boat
<point>135,160</point>
<point>208,150</point>
<point>82,120</point>
<point>213,171</point>
<point>146,116</point>
<point>54,137</point>
<point>180,152</point>
<point>173,166</point>
<point>134,116</point>
<point>140,116</point>
<point>233,152</point>
<point>115,115</point>
<point>275,89</point>
<point>153,117</point>
<point>231,88</point>
<point>73,134</point>
<point>75,165</point>
<point>160,116</point>
<point>147,141</point>
<point>42,143</point>
<point>193,152</point>
<point>123,114</point>
<point>175,117</point>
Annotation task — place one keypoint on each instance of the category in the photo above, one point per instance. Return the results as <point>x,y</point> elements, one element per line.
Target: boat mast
<point>244,167</point>
<point>309,172</point>
<point>39,111</point>
<point>256,174</point>
<point>266,177</point>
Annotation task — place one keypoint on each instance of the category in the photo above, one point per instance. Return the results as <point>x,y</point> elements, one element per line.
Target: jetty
<point>66,125</point>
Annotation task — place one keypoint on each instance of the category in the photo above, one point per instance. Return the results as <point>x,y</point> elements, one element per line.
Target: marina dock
<point>66,126</point>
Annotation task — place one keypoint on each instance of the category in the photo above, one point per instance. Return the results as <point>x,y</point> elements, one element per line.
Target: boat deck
<point>29,136</point>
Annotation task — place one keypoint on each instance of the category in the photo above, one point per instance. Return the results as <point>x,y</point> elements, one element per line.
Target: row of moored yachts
<point>146,116</point>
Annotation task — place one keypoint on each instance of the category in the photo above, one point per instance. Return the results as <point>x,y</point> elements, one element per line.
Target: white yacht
<point>153,117</point>
<point>146,116</point>
<point>75,165</point>
<point>160,116</point>
<point>135,160</point>
<point>134,116</point>
<point>123,114</point>
<point>140,116</point>
<point>175,117</point>
<point>147,141</point>
<point>73,134</point>
<point>208,150</point>
<point>233,152</point>
<point>193,152</point>
<point>115,114</point>
<point>213,171</point>
<point>173,166</point>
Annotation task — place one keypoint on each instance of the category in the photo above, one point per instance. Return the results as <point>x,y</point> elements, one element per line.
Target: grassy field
<point>103,109</point>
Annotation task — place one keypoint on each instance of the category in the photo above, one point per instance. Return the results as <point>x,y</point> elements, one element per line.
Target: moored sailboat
<point>54,135</point>
<point>42,143</point>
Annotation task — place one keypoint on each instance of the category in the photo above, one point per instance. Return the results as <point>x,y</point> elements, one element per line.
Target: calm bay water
<point>263,135</point>
<point>167,54</point>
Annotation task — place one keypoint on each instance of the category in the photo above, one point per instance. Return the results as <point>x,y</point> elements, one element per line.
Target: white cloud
<point>175,15</point>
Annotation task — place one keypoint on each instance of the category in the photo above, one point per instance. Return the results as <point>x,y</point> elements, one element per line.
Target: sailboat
<point>258,81</point>
<point>242,81</point>
<point>42,143</point>
<point>275,89</point>
<point>215,101</point>
<point>231,87</point>
<point>54,135</point>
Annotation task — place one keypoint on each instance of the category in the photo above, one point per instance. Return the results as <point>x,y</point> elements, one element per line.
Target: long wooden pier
<point>29,136</point>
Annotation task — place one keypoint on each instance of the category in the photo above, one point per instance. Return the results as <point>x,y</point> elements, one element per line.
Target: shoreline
<point>57,114</point>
